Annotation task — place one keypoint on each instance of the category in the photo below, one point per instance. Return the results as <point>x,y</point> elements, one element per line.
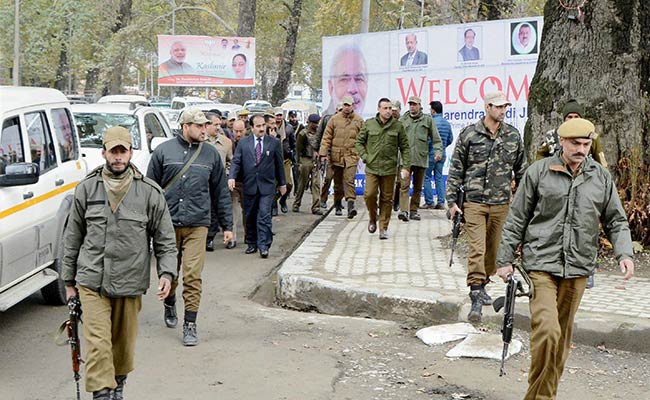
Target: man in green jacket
<point>419,128</point>
<point>116,211</point>
<point>555,216</point>
<point>378,144</point>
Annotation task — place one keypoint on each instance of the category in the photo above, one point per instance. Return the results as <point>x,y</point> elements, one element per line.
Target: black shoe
<point>264,253</point>
<point>403,216</point>
<point>323,204</point>
<point>274,209</point>
<point>295,209</point>
<point>171,318</point>
<point>372,226</point>
<point>190,337</point>
<point>415,216</point>
<point>476,311</point>
<point>485,297</point>
<point>396,206</point>
<point>251,249</point>
<point>118,392</point>
<point>317,212</point>
<point>232,244</point>
<point>104,394</point>
<point>283,205</point>
<point>209,245</point>
<point>339,211</point>
<point>351,211</point>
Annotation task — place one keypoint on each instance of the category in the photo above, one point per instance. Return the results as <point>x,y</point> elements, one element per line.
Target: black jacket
<point>203,185</point>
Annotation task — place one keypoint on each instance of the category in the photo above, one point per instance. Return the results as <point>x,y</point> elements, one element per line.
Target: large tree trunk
<point>603,61</point>
<point>245,28</point>
<point>119,60</point>
<point>288,57</point>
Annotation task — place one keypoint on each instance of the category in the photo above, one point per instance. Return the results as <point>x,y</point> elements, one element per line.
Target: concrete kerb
<point>318,277</point>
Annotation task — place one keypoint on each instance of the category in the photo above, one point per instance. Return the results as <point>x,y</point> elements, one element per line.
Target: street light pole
<point>365,16</point>
<point>16,71</point>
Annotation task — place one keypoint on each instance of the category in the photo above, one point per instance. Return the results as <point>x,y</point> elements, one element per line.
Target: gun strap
<point>524,274</point>
<point>183,170</point>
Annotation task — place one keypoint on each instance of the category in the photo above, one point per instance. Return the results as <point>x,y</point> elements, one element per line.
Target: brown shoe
<point>426,206</point>
<point>372,226</point>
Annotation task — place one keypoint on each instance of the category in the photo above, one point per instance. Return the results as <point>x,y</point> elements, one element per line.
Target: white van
<point>40,165</point>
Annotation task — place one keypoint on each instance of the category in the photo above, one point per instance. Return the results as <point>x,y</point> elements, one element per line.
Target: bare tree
<point>288,56</point>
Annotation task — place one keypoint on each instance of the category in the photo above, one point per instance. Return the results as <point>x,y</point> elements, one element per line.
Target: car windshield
<point>91,127</point>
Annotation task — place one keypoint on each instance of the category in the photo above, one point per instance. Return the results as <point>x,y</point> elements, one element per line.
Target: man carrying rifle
<point>307,146</point>
<point>555,216</point>
<point>486,157</point>
<point>115,214</point>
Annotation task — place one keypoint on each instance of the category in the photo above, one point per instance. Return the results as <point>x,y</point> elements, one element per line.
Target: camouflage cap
<point>116,136</point>
<point>577,128</point>
<point>278,111</point>
<point>193,116</point>
<point>269,112</point>
<point>415,99</point>
<point>395,105</point>
<point>497,99</point>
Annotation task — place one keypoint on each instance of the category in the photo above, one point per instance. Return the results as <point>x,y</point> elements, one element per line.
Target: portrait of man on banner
<point>523,37</point>
<point>414,56</point>
<point>348,75</point>
<point>176,64</point>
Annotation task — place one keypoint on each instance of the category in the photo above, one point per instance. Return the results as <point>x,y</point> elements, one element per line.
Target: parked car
<point>302,109</point>
<point>131,99</point>
<point>179,103</point>
<point>147,125</point>
<point>257,105</point>
<point>40,165</point>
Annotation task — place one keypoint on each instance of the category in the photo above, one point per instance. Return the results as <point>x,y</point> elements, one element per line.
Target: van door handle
<point>58,182</point>
<point>28,195</point>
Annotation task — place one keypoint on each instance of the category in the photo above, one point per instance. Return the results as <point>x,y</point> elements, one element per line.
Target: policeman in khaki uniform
<point>339,138</point>
<point>420,129</point>
<point>307,146</point>
<point>378,145</point>
<point>487,155</point>
<point>116,211</point>
<point>560,202</point>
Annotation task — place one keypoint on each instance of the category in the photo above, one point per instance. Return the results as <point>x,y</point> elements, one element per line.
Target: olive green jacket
<point>555,217</point>
<point>419,129</point>
<point>378,145</point>
<point>109,253</point>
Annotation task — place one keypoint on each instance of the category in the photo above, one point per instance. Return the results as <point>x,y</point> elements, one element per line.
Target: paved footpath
<point>342,269</point>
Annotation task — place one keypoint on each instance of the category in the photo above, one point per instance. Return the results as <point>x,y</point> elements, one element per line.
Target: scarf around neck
<point>116,186</point>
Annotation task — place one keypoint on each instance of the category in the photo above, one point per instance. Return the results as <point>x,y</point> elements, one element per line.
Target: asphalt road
<point>250,351</point>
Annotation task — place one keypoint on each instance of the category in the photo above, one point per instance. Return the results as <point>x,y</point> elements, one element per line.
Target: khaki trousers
<point>190,243</point>
<point>417,173</point>
<point>483,225</point>
<point>344,177</point>
<point>552,310</point>
<point>110,327</point>
<point>384,185</point>
<point>338,186</point>
<point>309,175</point>
<point>288,175</point>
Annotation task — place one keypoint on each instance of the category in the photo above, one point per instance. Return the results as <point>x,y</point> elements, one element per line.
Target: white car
<point>257,105</point>
<point>179,103</point>
<point>131,99</point>
<point>147,125</point>
<point>40,165</point>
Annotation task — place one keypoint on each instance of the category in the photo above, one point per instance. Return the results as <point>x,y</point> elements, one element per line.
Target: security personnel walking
<point>307,146</point>
<point>380,141</point>
<point>338,141</point>
<point>194,181</point>
<point>487,155</point>
<point>420,130</point>
<point>555,216</point>
<point>116,211</point>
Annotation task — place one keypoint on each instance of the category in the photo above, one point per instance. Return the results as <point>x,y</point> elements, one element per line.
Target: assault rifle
<point>72,328</point>
<point>323,170</point>
<point>514,289</point>
<point>458,219</point>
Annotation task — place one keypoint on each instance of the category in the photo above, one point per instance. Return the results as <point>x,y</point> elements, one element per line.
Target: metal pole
<point>69,56</point>
<point>365,16</point>
<point>151,71</point>
<point>421,13</point>
<point>16,71</point>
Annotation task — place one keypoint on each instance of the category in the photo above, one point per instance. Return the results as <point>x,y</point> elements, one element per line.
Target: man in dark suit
<point>413,55</point>
<point>259,159</point>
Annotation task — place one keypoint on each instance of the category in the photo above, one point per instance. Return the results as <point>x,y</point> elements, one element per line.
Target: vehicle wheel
<point>54,293</point>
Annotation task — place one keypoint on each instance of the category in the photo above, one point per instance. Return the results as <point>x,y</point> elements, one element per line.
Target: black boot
<point>339,207</point>
<point>104,394</point>
<point>274,209</point>
<point>351,211</point>
<point>171,319</point>
<point>283,203</point>
<point>476,311</point>
<point>118,392</point>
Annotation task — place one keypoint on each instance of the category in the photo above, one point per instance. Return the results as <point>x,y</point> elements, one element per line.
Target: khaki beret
<point>577,128</point>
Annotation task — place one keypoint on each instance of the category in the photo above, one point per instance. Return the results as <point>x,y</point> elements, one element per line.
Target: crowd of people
<point>218,174</point>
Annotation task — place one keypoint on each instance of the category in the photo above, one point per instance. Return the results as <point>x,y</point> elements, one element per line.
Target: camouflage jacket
<point>551,145</point>
<point>485,165</point>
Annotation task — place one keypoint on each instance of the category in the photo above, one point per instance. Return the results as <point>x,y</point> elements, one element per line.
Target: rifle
<point>72,328</point>
<point>323,170</point>
<point>458,219</point>
<point>514,289</point>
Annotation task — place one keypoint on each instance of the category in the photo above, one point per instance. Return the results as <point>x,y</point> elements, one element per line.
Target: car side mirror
<point>19,174</point>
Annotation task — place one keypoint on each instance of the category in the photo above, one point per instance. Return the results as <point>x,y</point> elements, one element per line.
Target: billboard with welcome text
<point>185,60</point>
<point>454,64</point>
